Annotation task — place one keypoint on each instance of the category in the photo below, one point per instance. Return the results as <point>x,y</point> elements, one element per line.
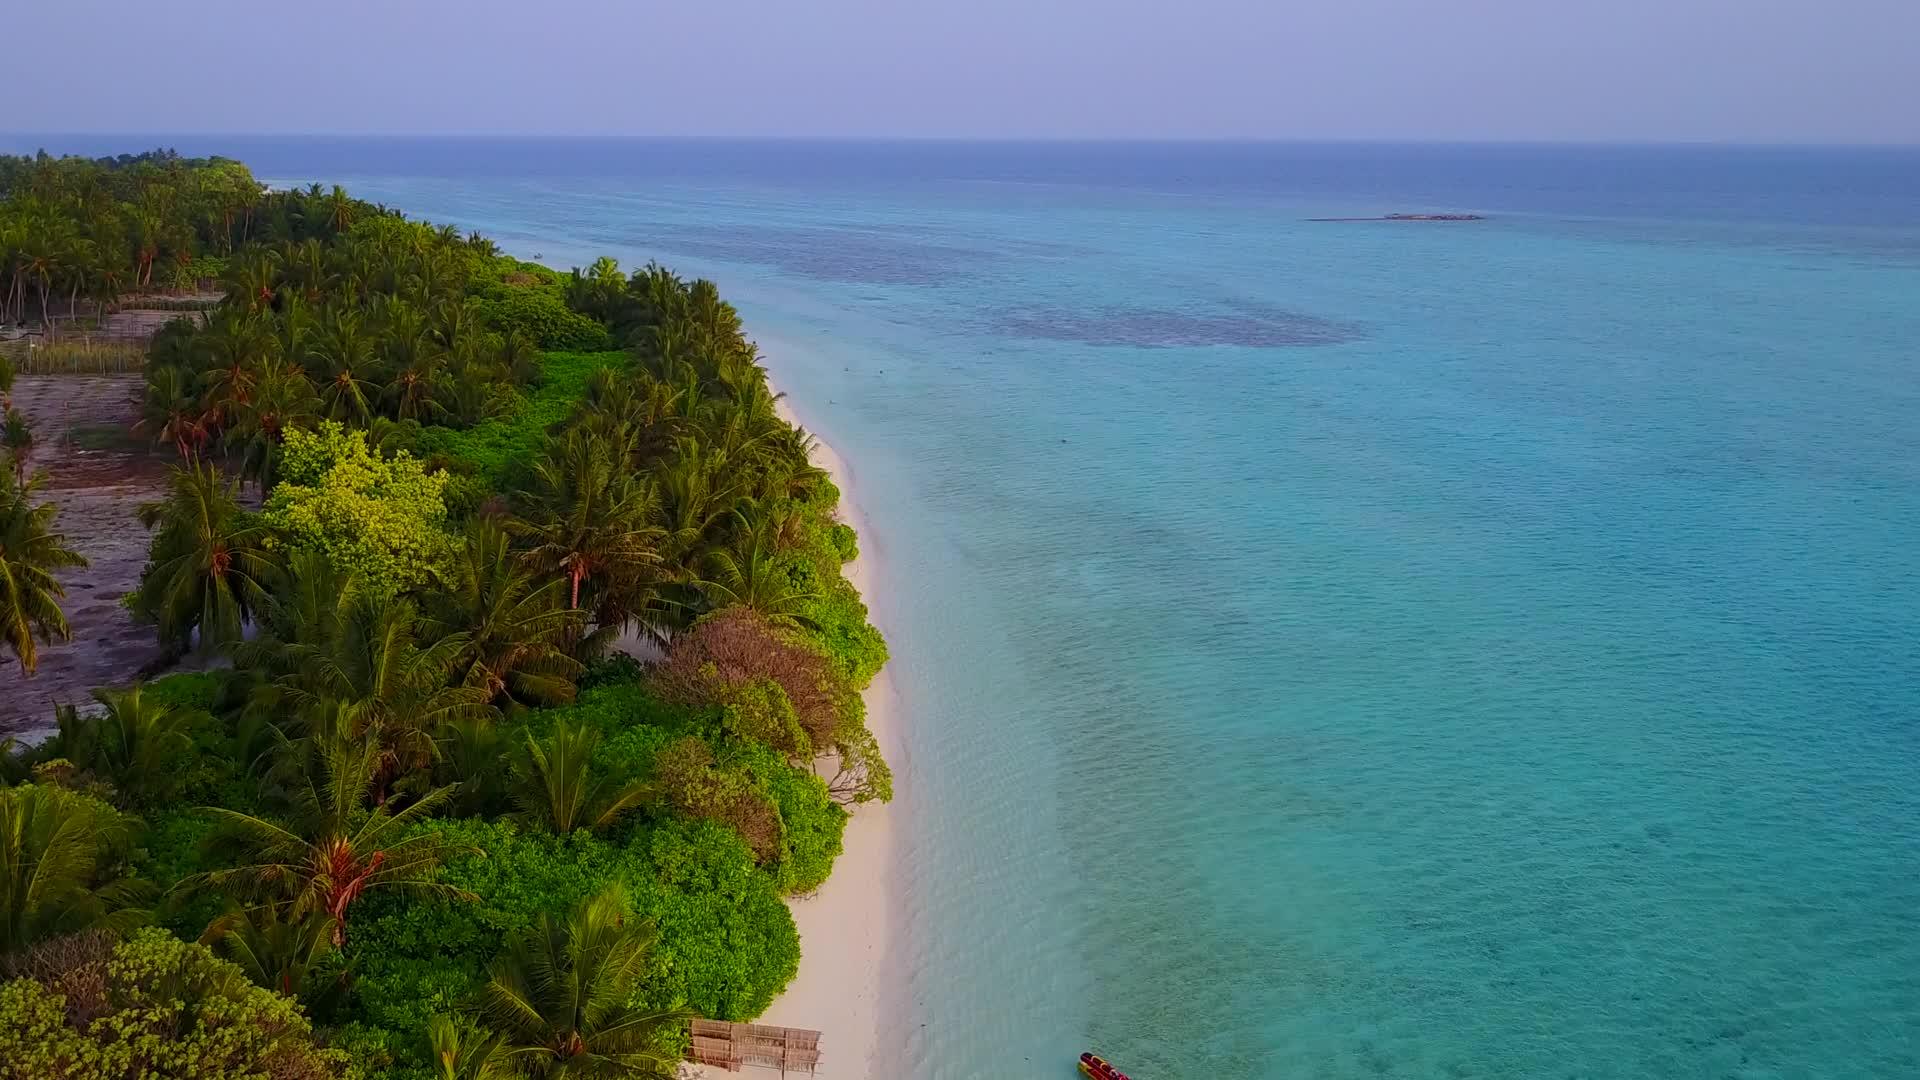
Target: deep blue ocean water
<point>1341,649</point>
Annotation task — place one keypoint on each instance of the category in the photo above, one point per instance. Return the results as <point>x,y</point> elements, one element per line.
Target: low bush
<point>695,784</point>
<point>727,943</point>
<point>152,1006</point>
<point>541,314</point>
<point>778,689</point>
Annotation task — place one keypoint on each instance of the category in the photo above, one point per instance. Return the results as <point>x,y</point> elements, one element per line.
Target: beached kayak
<point>1095,1067</point>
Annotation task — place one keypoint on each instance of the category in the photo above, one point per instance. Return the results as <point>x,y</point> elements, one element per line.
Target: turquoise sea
<point>1341,650</point>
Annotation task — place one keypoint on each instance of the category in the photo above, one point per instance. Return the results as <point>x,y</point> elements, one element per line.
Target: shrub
<point>189,689</point>
<point>815,824</point>
<point>152,1006</point>
<point>846,542</point>
<point>614,669</point>
<point>690,780</point>
<point>383,518</point>
<point>777,689</point>
<point>542,314</point>
<point>727,943</point>
<point>761,712</point>
<point>498,450</point>
<point>839,618</point>
<point>700,769</point>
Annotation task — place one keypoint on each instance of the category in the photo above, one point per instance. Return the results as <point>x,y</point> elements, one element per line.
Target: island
<point>463,639</point>
<point>1408,217</point>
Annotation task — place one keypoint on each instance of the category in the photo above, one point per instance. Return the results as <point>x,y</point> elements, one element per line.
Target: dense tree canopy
<point>424,493</point>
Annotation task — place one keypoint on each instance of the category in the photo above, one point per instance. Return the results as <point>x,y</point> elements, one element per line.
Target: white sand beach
<point>846,926</point>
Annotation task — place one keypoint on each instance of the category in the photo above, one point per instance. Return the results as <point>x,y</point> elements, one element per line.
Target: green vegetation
<point>94,1008</point>
<point>30,552</point>
<point>62,854</point>
<point>498,451</point>
<point>81,358</point>
<point>379,517</point>
<point>427,822</point>
<point>562,995</point>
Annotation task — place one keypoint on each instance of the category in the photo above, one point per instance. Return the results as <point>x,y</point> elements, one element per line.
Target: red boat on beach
<point>1095,1067</point>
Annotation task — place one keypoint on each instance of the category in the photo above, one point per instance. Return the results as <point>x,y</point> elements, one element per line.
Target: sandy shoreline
<point>846,927</point>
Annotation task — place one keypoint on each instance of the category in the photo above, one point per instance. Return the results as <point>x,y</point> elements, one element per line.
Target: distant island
<point>1408,217</point>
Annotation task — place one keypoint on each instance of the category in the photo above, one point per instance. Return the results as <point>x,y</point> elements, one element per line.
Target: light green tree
<point>380,517</point>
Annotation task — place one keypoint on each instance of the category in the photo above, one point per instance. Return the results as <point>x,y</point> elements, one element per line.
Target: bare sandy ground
<point>98,491</point>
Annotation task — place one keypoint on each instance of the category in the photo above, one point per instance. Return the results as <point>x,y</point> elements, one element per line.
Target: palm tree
<point>515,628</point>
<point>470,755</point>
<point>171,410</point>
<point>79,262</point>
<point>282,398</point>
<point>307,270</point>
<point>30,552</point>
<point>40,261</point>
<point>59,855</point>
<point>339,209</point>
<point>697,489</point>
<point>111,280</point>
<point>415,359</point>
<point>556,788</point>
<point>236,345</point>
<point>363,669</point>
<point>209,567</point>
<point>456,322</point>
<point>13,767</point>
<point>346,368</point>
<point>588,521</point>
<point>146,228</point>
<point>253,280</point>
<point>328,851</point>
<point>520,357</point>
<point>275,952</point>
<point>134,741</point>
<point>462,1051</point>
<point>561,997</point>
<point>754,576</point>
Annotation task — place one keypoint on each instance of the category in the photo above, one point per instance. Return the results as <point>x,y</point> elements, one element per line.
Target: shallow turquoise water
<point>1347,650</point>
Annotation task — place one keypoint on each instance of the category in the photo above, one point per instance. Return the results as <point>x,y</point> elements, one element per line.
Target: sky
<point>1578,70</point>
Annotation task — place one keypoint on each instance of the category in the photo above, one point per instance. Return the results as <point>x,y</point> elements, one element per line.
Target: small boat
<point>1095,1067</point>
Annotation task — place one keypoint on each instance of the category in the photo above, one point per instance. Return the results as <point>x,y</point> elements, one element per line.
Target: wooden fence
<point>734,1046</point>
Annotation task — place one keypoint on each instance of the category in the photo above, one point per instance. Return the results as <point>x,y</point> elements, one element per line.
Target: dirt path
<point>99,476</point>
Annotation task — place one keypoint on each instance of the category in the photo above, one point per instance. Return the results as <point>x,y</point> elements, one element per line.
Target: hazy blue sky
<point>1443,69</point>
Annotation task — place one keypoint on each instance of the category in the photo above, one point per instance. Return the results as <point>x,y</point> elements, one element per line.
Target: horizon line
<point>1323,140</point>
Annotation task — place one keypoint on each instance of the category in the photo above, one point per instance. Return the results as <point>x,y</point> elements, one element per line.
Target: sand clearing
<point>99,477</point>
